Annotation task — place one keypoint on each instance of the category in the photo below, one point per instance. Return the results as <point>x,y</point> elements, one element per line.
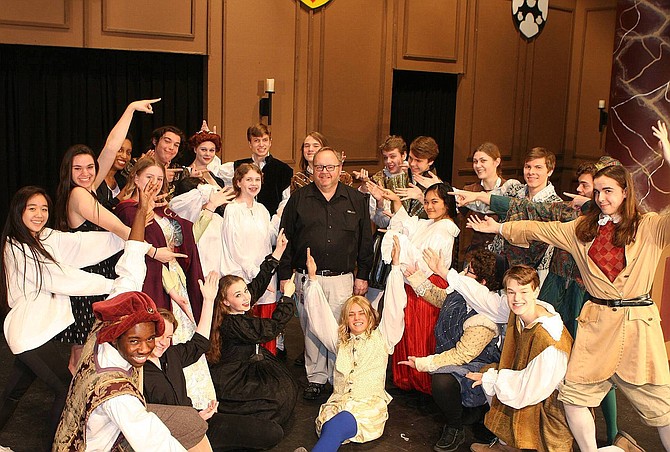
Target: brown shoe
<point>494,447</point>
<point>626,442</point>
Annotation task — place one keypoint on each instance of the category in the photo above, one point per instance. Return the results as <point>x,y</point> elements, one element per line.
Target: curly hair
<point>483,264</point>
<point>200,137</point>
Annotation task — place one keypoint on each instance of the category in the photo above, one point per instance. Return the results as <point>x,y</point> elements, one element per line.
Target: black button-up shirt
<point>338,231</point>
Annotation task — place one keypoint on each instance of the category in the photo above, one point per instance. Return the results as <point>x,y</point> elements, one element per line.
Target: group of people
<point>173,284</point>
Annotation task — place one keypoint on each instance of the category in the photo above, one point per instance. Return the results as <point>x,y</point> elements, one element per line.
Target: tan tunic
<point>625,341</point>
<point>541,426</point>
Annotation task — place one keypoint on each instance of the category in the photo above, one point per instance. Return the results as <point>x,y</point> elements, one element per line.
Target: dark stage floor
<point>410,428</point>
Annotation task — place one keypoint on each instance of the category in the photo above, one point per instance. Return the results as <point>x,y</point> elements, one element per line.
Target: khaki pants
<point>652,402</point>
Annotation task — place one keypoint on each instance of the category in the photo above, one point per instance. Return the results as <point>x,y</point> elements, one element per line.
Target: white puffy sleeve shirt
<point>416,235</point>
<point>248,236</point>
<point>40,306</point>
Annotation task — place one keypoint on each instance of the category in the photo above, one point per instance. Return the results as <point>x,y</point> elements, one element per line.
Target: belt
<point>323,272</point>
<point>642,300</point>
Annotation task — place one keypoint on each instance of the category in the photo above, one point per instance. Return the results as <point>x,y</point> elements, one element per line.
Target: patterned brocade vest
<point>449,329</point>
<point>90,387</point>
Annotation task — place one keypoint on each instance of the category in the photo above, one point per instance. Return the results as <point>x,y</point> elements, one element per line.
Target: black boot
<point>450,440</point>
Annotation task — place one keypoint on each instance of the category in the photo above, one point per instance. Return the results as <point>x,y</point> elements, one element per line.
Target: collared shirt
<point>337,232</point>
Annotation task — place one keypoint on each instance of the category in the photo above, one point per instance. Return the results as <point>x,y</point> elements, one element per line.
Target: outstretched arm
<point>117,135</point>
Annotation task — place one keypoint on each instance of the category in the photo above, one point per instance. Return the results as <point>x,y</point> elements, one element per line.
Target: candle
<point>270,85</point>
<point>601,103</point>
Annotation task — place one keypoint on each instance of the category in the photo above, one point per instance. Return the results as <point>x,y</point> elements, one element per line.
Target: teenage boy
<point>523,390</point>
<point>276,174</point>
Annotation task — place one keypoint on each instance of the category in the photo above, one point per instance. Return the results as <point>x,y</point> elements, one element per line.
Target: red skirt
<point>264,311</point>
<point>417,340</point>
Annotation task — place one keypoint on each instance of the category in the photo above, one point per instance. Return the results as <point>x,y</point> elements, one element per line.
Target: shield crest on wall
<point>314,3</point>
<point>530,16</point>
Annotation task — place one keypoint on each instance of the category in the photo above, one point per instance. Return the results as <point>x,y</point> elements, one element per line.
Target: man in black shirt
<point>334,222</point>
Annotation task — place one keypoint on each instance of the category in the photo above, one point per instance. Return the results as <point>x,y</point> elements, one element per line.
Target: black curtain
<point>53,97</point>
<point>424,103</point>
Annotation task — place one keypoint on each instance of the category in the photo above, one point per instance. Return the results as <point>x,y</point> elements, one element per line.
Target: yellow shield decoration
<point>315,3</point>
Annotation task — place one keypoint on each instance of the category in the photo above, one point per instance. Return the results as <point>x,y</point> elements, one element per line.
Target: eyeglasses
<point>329,168</point>
<point>468,271</point>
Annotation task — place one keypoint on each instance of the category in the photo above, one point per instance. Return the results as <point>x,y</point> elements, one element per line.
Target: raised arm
<point>319,313</point>
<point>392,325</point>
<point>116,137</point>
<point>661,132</point>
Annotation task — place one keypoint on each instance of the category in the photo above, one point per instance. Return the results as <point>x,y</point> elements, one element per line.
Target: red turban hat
<point>121,313</point>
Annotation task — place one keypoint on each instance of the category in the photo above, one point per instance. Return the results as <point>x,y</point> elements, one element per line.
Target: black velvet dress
<point>248,379</point>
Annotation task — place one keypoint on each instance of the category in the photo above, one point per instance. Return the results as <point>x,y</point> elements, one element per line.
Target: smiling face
<point>309,148</point>
<point>393,160</point>
<point>36,214</point>
<point>324,179</point>
<point>608,195</point>
<point>260,146</point>
<point>136,344</point>
<point>204,154</point>
<point>167,147</point>
<point>238,298</point>
<point>149,174</point>
<point>536,174</point>
<point>522,299</point>
<point>83,171</point>
<point>417,165</point>
<point>435,207</point>
<point>250,184</point>
<point>485,166</point>
<point>163,342</point>
<point>357,320</point>
<point>123,155</point>
<point>585,185</point>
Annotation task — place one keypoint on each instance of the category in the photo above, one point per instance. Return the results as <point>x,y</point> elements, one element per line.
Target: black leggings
<point>49,365</point>
<point>447,395</point>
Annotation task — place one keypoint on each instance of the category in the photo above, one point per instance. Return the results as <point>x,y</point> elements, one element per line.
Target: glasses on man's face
<point>329,168</point>
<point>469,272</point>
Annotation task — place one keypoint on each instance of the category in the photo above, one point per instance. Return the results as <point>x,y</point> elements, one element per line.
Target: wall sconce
<point>265,104</point>
<point>602,121</point>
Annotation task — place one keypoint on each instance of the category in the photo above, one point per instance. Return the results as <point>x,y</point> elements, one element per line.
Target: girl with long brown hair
<point>249,380</point>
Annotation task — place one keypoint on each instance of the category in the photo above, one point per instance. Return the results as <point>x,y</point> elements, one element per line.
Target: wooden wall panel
<point>431,35</point>
<point>548,81</point>
<point>157,25</point>
<point>594,80</point>
<point>259,42</point>
<point>496,69</point>
<point>352,78</point>
<point>441,18</point>
<point>593,42</point>
<point>42,22</point>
